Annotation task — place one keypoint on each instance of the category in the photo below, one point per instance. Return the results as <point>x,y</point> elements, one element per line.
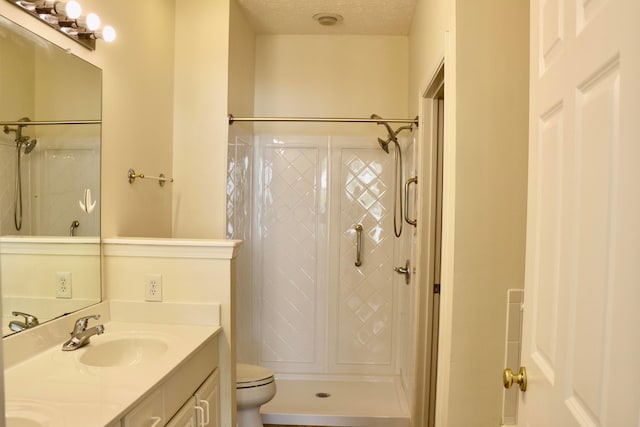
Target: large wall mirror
<point>49,180</point>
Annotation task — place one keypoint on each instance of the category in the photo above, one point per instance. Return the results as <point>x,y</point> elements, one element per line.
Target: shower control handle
<point>358,229</point>
<point>406,270</point>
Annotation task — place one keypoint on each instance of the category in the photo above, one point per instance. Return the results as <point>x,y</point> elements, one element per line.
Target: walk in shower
<point>318,300</point>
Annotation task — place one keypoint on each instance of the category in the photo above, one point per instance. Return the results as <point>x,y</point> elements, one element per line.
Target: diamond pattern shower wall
<point>365,297</point>
<point>317,311</point>
<point>288,222</point>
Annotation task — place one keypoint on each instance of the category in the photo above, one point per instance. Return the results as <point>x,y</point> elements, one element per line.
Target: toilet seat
<point>249,376</point>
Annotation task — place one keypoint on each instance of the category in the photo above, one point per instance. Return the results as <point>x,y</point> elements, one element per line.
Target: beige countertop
<point>55,388</point>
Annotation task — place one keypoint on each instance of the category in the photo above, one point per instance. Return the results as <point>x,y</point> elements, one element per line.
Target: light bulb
<point>73,10</point>
<point>93,21</point>
<point>108,34</point>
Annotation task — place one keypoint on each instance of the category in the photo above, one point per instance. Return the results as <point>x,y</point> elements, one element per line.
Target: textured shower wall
<point>291,245</point>
<point>363,306</point>
<point>302,304</point>
<point>315,310</point>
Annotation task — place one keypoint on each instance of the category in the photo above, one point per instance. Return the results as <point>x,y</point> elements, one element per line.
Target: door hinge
<point>436,288</point>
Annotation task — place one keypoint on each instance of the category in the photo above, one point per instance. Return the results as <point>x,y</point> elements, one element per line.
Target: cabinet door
<point>207,397</point>
<point>186,416</point>
<point>148,413</point>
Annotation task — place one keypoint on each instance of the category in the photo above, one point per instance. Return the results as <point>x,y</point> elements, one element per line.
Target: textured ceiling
<point>382,17</point>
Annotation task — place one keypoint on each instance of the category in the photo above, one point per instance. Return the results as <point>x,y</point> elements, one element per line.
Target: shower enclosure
<point>306,207</point>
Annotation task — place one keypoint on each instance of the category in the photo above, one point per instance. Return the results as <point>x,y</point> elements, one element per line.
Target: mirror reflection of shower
<point>397,172</point>
<point>27,144</point>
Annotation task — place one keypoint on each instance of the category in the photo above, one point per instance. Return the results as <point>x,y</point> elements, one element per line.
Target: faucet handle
<point>81,323</point>
<point>29,319</point>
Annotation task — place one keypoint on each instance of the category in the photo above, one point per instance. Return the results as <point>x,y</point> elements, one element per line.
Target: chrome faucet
<point>29,321</point>
<point>80,335</point>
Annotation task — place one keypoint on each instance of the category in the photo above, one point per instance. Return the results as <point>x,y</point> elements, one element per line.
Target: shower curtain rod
<point>233,119</point>
<point>52,122</point>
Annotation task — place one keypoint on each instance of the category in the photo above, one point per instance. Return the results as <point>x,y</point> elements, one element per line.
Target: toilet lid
<point>252,375</point>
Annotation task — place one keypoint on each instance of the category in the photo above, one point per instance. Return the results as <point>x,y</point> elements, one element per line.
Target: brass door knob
<point>508,378</point>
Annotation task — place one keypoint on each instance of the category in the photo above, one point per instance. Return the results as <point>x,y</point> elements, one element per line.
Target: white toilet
<point>255,386</point>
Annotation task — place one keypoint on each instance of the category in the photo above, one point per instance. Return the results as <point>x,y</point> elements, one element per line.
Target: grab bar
<point>410,181</point>
<point>358,229</point>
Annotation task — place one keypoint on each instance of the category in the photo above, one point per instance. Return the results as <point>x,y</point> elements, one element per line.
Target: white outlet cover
<point>153,287</point>
<point>63,284</point>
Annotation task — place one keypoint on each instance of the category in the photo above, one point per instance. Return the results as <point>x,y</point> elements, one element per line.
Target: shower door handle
<point>358,229</point>
<point>410,181</point>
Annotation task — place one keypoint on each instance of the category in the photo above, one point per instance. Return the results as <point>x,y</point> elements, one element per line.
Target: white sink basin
<point>125,351</point>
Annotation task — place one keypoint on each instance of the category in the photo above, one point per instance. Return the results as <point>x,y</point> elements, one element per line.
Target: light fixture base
<point>89,43</point>
<point>328,19</point>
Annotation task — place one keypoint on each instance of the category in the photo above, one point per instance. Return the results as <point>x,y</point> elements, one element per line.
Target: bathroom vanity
<point>134,374</point>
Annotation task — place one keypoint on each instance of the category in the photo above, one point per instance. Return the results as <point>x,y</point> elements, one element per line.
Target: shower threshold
<point>337,401</point>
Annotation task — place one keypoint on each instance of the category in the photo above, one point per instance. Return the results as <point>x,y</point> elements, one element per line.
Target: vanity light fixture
<point>66,17</point>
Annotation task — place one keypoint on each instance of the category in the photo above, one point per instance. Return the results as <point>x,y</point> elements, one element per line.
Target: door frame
<point>428,250</point>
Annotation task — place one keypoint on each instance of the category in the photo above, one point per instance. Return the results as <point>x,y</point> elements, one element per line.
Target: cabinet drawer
<point>148,413</point>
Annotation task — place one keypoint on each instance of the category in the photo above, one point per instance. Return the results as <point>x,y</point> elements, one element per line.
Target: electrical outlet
<point>63,284</point>
<point>153,287</point>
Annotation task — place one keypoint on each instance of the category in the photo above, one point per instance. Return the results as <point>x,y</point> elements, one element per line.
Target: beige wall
<point>330,76</point>
<point>200,118</point>
<point>242,54</point>
<point>485,189</point>
<point>491,187</point>
<point>20,90</point>
<point>137,116</point>
<point>431,21</point>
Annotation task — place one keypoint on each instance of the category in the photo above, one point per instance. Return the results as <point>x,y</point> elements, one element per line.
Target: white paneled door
<point>581,342</point>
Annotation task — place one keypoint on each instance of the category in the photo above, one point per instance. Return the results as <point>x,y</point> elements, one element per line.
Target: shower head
<point>29,145</point>
<point>22,140</point>
<point>384,144</point>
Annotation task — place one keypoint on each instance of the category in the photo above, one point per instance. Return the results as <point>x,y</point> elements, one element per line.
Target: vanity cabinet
<point>186,416</point>
<point>202,408</point>
<point>147,413</point>
<point>187,398</point>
